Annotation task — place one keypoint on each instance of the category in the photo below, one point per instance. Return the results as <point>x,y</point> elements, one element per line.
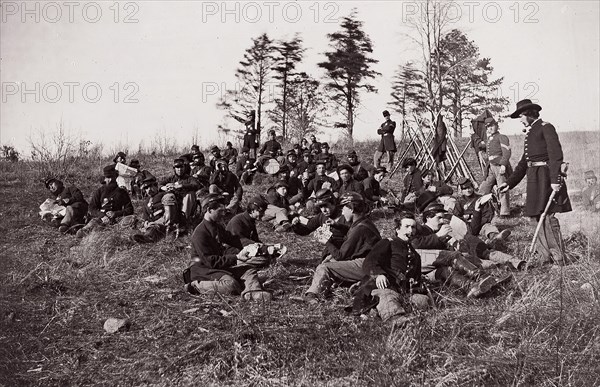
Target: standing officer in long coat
<point>387,143</point>
<point>543,164</point>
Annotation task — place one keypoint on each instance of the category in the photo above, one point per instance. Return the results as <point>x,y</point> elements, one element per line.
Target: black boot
<point>463,265</point>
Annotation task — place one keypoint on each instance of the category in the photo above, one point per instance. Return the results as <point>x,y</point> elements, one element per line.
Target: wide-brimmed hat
<point>589,175</point>
<point>523,105</point>
<point>134,163</point>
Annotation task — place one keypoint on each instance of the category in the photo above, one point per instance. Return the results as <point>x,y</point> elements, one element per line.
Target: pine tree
<point>252,77</point>
<point>348,67</point>
<point>289,55</point>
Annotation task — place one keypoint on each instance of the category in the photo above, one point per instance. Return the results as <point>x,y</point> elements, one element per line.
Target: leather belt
<point>536,163</point>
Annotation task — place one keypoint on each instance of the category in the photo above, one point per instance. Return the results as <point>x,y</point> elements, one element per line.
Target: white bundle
<point>323,233</point>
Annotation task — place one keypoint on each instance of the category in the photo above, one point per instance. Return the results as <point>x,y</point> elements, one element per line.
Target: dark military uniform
<point>386,131</point>
<point>244,227</point>
<point>541,162</point>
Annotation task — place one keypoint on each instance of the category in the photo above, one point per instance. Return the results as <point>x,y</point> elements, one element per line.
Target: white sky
<point>175,49</point>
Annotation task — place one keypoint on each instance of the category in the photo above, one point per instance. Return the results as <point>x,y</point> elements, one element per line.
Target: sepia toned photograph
<point>299,193</point>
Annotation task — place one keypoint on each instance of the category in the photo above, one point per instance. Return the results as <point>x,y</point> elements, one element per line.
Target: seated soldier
<point>247,171</point>
<point>215,155</point>
<point>315,146</point>
<point>72,199</point>
<point>307,166</point>
<point>392,269</point>
<point>320,181</point>
<point>347,182</point>
<point>161,214</point>
<point>230,154</point>
<point>330,214</point>
<point>184,186</point>
<point>120,157</point>
<point>241,162</point>
<point>224,182</point>
<point>292,163</point>
<point>329,159</point>
<point>221,263</point>
<point>344,263</point>
<point>360,171</point>
<point>591,193</point>
<point>412,181</point>
<point>199,169</point>
<point>295,191</point>
<point>477,213</point>
<point>243,225</point>
<point>279,208</point>
<point>140,176</point>
<point>372,187</point>
<point>442,190</point>
<point>109,204</point>
<point>304,146</point>
<point>271,147</point>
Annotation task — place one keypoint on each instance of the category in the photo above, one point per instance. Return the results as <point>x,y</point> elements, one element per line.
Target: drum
<point>269,165</point>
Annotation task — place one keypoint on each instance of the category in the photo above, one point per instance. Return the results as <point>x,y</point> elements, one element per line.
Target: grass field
<point>57,291</point>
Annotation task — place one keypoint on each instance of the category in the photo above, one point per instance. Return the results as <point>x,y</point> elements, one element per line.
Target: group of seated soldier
<point>226,258</point>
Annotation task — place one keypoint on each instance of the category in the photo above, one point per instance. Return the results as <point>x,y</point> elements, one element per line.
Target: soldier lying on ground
<point>433,243</point>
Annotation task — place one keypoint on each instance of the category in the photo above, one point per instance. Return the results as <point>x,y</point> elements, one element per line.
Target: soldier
<point>279,208</point>
<point>542,162</point>
<point>243,225</point>
<point>360,171</point>
<point>250,137</point>
<point>412,180</point>
<point>387,143</point>
<point>497,166</point>
<point>315,146</point>
<point>110,204</point>
<point>347,182</point>
<point>221,262</point>
<point>344,263</point>
<point>200,170</point>
<point>432,241</point>
<point>215,155</point>
<point>392,268</point>
<point>230,154</point>
<point>292,163</point>
<point>591,193</point>
<point>330,213</point>
<point>307,165</point>
<point>184,186</point>
<point>331,162</point>
<point>161,214</point>
<point>295,188</point>
<point>271,147</point>
<point>304,146</point>
<point>140,176</point>
<point>223,181</point>
<point>372,187</point>
<point>72,199</point>
<point>442,190</point>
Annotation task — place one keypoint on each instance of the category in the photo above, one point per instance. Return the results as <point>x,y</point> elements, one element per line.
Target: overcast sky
<point>125,72</point>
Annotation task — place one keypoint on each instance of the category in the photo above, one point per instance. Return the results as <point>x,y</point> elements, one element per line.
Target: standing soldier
<point>498,164</point>
<point>387,143</point>
<point>542,162</point>
<point>250,136</point>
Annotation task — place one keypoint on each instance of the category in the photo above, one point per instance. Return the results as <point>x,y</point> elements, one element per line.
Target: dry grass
<point>56,292</point>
